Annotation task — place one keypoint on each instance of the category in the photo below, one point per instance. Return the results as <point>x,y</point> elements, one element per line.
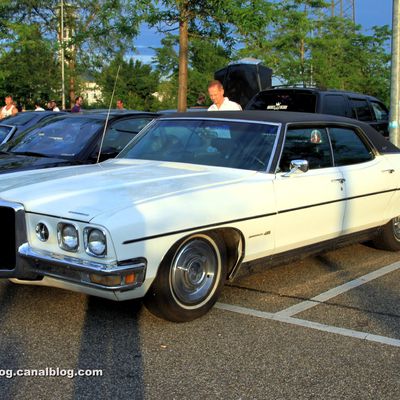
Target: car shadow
<point>110,342</point>
<point>42,327</point>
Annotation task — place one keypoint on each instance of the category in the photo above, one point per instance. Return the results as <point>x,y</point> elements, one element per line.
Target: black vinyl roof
<point>287,117</point>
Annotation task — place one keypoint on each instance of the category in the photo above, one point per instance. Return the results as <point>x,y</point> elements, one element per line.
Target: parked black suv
<point>352,105</point>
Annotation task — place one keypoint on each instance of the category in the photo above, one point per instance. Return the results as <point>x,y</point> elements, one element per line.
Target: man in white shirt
<point>221,103</point>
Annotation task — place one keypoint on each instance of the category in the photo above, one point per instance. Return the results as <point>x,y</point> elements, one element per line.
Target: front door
<point>310,205</point>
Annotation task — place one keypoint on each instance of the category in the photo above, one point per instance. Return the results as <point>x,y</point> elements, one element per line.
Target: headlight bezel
<point>87,231</point>
<point>60,238</point>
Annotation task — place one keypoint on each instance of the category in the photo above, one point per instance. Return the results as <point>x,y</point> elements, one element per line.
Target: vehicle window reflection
<point>65,137</point>
<point>348,148</point>
<point>310,144</point>
<point>219,143</point>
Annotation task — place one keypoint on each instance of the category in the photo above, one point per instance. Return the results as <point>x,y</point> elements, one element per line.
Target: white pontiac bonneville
<point>194,197</point>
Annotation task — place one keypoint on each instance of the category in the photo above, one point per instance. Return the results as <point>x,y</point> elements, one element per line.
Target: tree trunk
<point>302,57</point>
<point>72,83</point>
<point>183,57</point>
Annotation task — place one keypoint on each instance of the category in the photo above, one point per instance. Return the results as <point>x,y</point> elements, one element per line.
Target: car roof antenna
<point>108,115</point>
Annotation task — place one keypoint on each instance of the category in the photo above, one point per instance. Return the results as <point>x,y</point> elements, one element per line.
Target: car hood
<point>84,192</point>
<point>13,162</point>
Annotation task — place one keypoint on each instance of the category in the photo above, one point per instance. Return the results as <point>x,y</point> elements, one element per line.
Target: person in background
<point>201,100</point>
<point>52,105</point>
<point>9,109</point>
<point>120,105</point>
<point>38,107</point>
<point>78,104</point>
<point>221,103</point>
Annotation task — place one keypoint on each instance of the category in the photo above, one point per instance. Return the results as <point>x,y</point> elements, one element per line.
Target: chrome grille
<point>7,238</point>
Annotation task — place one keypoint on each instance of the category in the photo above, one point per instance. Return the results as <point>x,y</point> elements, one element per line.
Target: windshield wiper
<point>30,153</point>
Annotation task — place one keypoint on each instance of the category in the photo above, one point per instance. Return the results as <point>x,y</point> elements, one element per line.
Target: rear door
<point>369,181</point>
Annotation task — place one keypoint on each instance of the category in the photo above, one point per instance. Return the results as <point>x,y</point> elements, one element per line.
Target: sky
<point>373,12</point>
<point>367,12</point>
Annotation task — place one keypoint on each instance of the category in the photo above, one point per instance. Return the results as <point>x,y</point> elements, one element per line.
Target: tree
<point>204,58</point>
<point>211,19</point>
<point>95,30</point>
<point>29,68</point>
<point>345,58</point>
<point>283,41</point>
<point>135,85</point>
<point>306,46</point>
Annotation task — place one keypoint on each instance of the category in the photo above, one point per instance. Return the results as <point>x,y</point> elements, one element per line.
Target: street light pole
<point>62,56</point>
<point>394,128</point>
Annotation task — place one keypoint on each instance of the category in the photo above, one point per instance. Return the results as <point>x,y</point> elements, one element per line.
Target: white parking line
<point>310,324</point>
<point>286,314</point>
<point>315,301</point>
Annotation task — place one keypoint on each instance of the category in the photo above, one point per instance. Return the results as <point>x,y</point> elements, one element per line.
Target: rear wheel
<point>190,279</point>
<point>389,238</point>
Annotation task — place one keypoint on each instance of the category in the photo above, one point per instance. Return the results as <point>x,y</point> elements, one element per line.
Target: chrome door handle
<point>390,170</point>
<point>341,180</point>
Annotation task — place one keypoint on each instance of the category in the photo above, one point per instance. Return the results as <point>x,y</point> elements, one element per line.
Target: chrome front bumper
<point>121,276</point>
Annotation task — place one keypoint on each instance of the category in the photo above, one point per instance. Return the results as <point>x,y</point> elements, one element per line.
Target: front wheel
<point>389,237</point>
<point>190,279</point>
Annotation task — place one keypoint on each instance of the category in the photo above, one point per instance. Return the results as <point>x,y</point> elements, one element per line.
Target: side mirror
<point>297,166</point>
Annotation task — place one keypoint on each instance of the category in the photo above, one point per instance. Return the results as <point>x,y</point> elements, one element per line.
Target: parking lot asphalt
<point>325,327</point>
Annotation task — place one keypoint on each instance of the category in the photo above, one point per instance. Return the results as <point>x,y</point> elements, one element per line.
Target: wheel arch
<point>233,240</point>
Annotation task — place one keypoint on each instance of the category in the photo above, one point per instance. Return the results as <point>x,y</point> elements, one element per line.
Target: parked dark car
<point>12,126</point>
<point>336,102</point>
<point>69,139</point>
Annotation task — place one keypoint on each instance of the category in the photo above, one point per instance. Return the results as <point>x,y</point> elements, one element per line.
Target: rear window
<point>284,101</point>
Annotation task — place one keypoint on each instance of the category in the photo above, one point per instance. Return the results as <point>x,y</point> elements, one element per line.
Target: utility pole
<point>62,56</point>
<point>394,129</point>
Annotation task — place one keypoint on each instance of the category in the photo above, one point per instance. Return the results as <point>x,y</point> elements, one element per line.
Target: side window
<point>380,111</point>
<point>311,144</point>
<point>334,104</point>
<point>348,148</point>
<point>360,110</point>
<point>120,133</point>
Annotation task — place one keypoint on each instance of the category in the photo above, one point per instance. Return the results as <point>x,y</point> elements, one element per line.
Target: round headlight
<point>68,237</point>
<point>42,232</point>
<point>96,242</point>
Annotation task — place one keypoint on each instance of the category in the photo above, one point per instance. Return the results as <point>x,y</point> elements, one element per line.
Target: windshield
<point>64,137</point>
<point>233,144</point>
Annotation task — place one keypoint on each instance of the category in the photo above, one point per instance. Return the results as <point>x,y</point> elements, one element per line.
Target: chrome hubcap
<point>194,271</point>
<point>396,227</point>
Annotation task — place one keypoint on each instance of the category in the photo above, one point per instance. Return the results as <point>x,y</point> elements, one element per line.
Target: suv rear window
<point>284,101</point>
